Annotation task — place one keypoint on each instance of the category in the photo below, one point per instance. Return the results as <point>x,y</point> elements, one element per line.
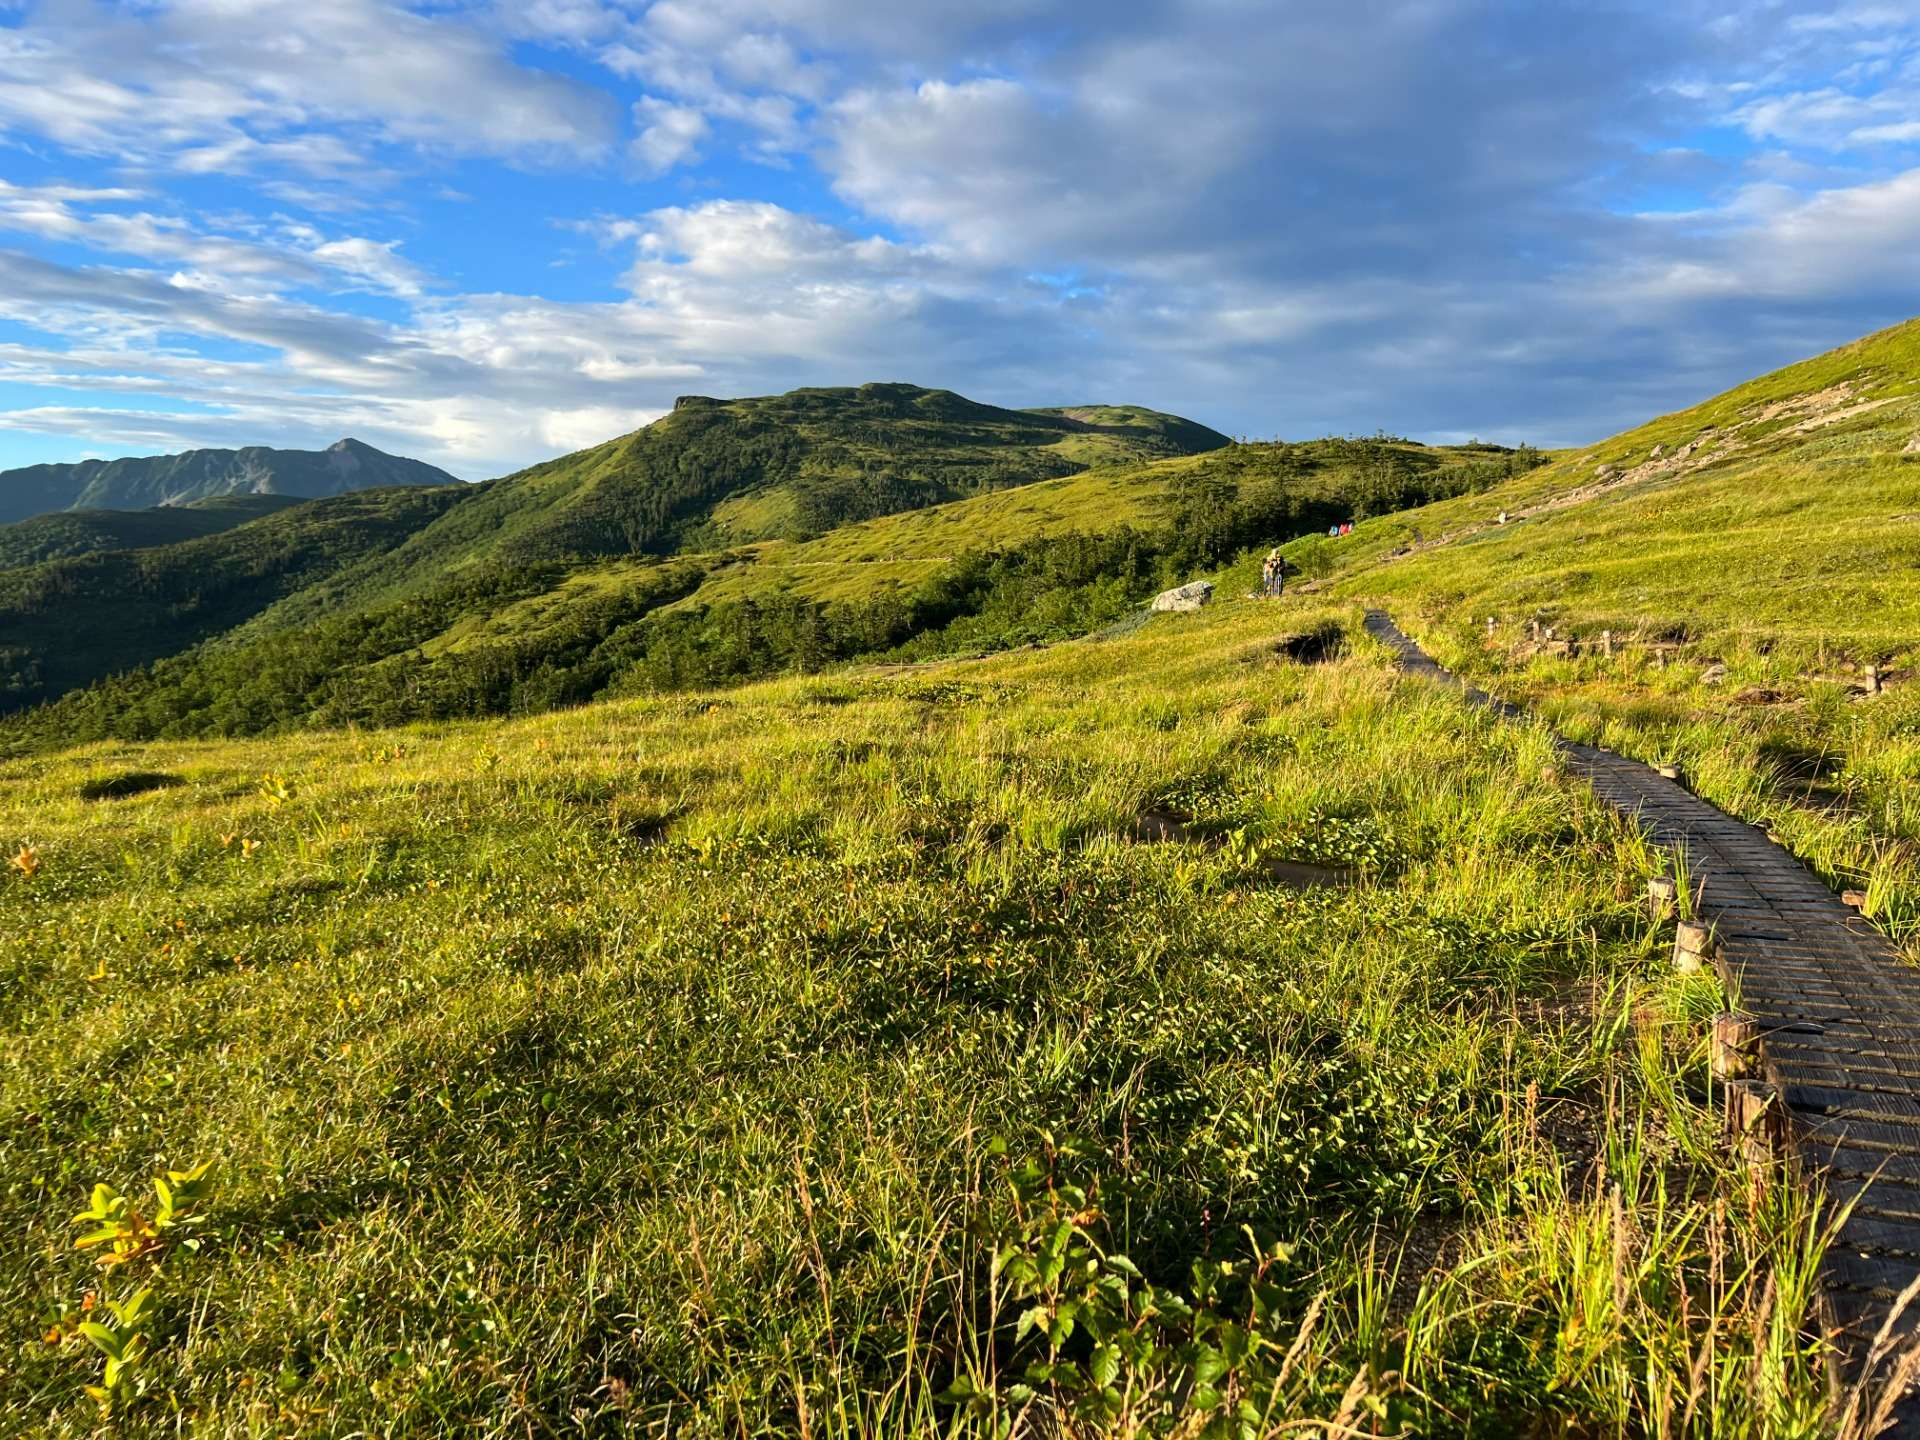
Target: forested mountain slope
<point>64,623</point>
<point>69,533</point>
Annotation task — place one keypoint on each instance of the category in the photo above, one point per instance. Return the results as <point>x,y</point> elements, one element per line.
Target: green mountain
<point>717,472</point>
<point>153,480</point>
<point>390,636</point>
<point>68,533</point>
<point>710,474</point>
<point>66,622</point>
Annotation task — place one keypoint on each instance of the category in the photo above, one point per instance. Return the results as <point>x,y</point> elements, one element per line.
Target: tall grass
<point>1776,738</point>
<point>788,1061</point>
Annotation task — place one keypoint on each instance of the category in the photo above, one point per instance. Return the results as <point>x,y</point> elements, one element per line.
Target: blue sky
<point>484,234</point>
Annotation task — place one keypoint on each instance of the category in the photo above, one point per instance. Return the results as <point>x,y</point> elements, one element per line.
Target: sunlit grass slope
<point>826,1057</point>
<point>1750,555</point>
<point>1788,508</point>
<point>896,552</point>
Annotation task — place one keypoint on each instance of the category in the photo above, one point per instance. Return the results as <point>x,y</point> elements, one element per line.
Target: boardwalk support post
<point>1663,896</point>
<point>1756,1127</point>
<point>1693,947</point>
<point>1733,1047</point>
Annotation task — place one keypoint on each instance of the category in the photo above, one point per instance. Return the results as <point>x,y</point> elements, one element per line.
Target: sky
<point>485,234</point>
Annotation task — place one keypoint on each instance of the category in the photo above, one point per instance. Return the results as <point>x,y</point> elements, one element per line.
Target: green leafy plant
<point>1087,1336</point>
<point>125,1343</point>
<point>127,1236</point>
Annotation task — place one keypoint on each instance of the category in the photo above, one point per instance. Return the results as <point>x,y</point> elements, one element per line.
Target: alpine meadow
<point>1221,869</point>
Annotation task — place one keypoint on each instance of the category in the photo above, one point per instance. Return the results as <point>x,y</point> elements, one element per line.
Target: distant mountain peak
<point>140,482</point>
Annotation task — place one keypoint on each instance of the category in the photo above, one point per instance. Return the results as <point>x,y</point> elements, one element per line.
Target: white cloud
<point>374,262</point>
<point>670,135</point>
<point>1204,205</point>
<point>217,85</point>
<point>295,255</point>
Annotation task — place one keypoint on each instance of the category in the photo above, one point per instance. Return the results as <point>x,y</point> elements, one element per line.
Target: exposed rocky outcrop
<point>1184,597</point>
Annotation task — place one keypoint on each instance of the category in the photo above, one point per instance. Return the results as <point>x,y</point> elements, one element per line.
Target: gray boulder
<point>1185,597</point>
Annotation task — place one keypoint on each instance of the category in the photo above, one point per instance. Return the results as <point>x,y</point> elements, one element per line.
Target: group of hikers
<point>1273,574</point>
<point>1274,569</point>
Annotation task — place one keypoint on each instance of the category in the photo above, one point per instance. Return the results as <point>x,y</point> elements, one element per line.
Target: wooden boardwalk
<point>1838,1010</point>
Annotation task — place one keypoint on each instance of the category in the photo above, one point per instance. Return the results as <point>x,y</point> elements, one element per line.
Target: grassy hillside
<point>1282,489</point>
<point>1749,556</point>
<point>86,532</point>
<point>828,1057</point>
<point>697,478</point>
<point>139,483</point>
<point>1012,567</point>
<point>716,473</point>
<point>1787,509</point>
<point>1116,434</point>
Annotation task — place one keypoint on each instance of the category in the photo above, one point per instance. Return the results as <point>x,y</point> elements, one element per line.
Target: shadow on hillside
<point>133,782</point>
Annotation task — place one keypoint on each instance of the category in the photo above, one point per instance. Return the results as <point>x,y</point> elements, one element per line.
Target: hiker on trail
<point>1273,573</point>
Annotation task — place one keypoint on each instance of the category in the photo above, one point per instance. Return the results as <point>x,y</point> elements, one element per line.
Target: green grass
<point>1785,558</point>
<point>1800,530</point>
<point>827,1056</point>
<point>645,1067</point>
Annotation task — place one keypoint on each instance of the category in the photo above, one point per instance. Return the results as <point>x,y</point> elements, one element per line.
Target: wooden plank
<point>1837,1007</point>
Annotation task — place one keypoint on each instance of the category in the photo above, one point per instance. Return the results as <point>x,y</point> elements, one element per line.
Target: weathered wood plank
<point>1835,1005</point>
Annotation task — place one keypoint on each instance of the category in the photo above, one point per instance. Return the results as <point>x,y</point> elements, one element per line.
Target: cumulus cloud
<point>1443,216</point>
<point>669,134</point>
<point>211,85</point>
